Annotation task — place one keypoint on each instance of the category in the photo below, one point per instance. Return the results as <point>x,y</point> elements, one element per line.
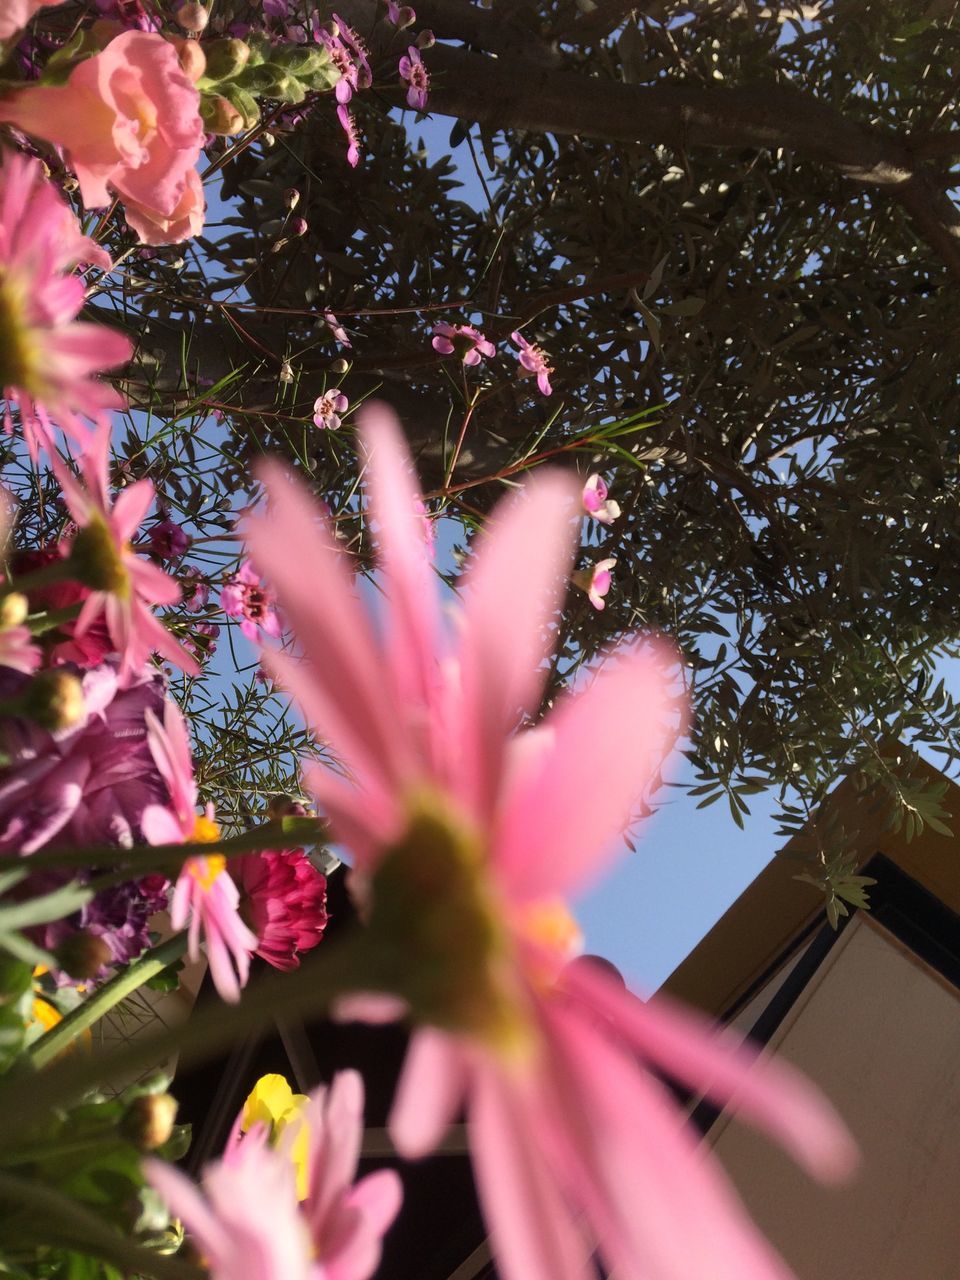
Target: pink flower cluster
<point>245,597</point>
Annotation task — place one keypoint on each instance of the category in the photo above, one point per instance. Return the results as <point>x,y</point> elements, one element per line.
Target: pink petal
<point>576,794</point>
<point>186,1202</point>
<point>130,508</point>
<point>429,1094</point>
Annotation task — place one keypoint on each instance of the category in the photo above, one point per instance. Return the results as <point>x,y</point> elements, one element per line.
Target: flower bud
<point>192,16</point>
<point>285,807</point>
<point>53,700</point>
<point>298,227</point>
<point>148,1121</point>
<point>193,61</point>
<point>340,366</point>
<point>220,116</point>
<point>406,17</point>
<point>14,608</point>
<point>291,198</point>
<point>426,40</point>
<point>82,955</point>
<point>226,58</point>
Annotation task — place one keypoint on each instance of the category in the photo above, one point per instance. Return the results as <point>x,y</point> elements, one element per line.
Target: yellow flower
<point>273,1104</point>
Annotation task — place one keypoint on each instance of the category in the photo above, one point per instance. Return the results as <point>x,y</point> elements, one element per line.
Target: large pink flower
<point>15,14</point>
<point>284,897</point>
<point>249,1225</point>
<point>47,357</point>
<point>129,122</point>
<point>124,585</point>
<point>467,837</point>
<point>204,896</point>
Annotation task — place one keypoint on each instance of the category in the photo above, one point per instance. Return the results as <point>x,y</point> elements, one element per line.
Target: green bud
<point>220,116</point>
<point>148,1121</point>
<point>53,700</point>
<point>83,955</point>
<point>244,102</point>
<point>225,58</point>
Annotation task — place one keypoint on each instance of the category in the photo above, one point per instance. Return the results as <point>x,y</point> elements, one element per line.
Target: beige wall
<point>880,1032</point>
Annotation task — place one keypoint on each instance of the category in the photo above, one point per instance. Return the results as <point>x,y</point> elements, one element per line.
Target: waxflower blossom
<point>169,540</point>
<point>128,120</point>
<point>596,503</point>
<point>123,585</point>
<point>464,339</point>
<point>349,126</point>
<point>595,581</point>
<point>283,897</point>
<point>251,1210</point>
<point>416,75</point>
<point>245,597</point>
<point>196,590</point>
<point>400,15</point>
<point>204,895</point>
<point>534,362</point>
<point>328,408</point>
<point>467,837</point>
<point>337,329</point>
<point>48,359</point>
<point>15,14</point>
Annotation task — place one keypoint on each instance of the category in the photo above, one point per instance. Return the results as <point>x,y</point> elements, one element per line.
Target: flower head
<point>417,77</point>
<point>596,503</point>
<point>534,362</point>
<point>48,359</point>
<point>283,897</point>
<point>467,837</point>
<point>250,1222</point>
<point>328,408</point>
<point>245,597</point>
<point>204,896</point>
<point>595,581</point>
<point>122,584</point>
<point>464,339</point>
<point>169,540</point>
<point>128,119</point>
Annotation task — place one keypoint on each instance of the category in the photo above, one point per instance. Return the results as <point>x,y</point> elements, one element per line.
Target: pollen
<point>206,870</point>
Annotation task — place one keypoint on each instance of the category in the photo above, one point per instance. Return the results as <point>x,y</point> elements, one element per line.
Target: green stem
<point>53,1042</point>
<point>55,571</point>
<point>60,1220</point>
<point>40,622</point>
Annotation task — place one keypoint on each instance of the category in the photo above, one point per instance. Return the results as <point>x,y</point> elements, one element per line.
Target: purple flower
<point>533,359</point>
<point>464,339</point>
<point>400,15</point>
<point>246,598</point>
<point>276,9</point>
<point>358,50</point>
<point>416,76</point>
<point>168,540</point>
<point>328,408</point>
<point>349,126</point>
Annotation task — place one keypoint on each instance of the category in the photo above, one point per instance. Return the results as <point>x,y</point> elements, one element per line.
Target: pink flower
<point>337,329</point>
<point>123,585</point>
<point>86,650</point>
<point>245,597</point>
<point>596,503</point>
<point>534,361</point>
<point>284,897</point>
<point>15,14</point>
<point>249,1225</point>
<point>19,650</point>
<point>467,837</point>
<point>47,358</point>
<point>348,54</point>
<point>416,76</point>
<point>358,50</point>
<point>196,591</point>
<point>349,126</point>
<point>400,15</point>
<point>328,408</point>
<point>204,895</point>
<point>462,338</point>
<point>128,119</point>
<point>595,581</point>
<point>184,221</point>
<point>169,540</point>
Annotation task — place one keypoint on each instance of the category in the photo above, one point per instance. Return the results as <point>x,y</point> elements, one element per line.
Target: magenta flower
<point>169,540</point>
<point>250,1226</point>
<point>464,339</point>
<point>49,359</point>
<point>328,408</point>
<point>416,75</point>
<point>245,597</point>
<point>595,581</point>
<point>534,361</point>
<point>204,895</point>
<point>349,126</point>
<point>196,591</point>
<point>337,329</point>
<point>284,898</point>
<point>123,585</point>
<point>466,838</point>
<point>596,503</point>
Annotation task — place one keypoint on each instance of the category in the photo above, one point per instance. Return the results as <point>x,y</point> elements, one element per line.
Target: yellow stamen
<point>205,830</point>
<point>550,923</point>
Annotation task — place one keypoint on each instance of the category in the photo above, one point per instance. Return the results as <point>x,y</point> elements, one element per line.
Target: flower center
<point>97,561</point>
<point>17,352</point>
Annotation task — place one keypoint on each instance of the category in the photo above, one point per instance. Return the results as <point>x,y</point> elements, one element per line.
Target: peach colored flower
<point>128,119</point>
<point>15,14</point>
<point>467,837</point>
<point>185,221</point>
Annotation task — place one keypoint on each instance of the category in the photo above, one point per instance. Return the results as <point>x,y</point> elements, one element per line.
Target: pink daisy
<point>245,597</point>
<point>534,361</point>
<point>464,339</point>
<point>123,585</point>
<point>467,838</point>
<point>48,359</point>
<point>204,896</point>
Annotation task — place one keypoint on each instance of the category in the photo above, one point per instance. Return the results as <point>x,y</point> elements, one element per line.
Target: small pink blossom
<point>284,897</point>
<point>204,895</point>
<point>249,1224</point>
<point>416,75</point>
<point>348,54</point>
<point>196,591</point>
<point>400,15</point>
<point>337,329</point>
<point>358,50</point>
<point>463,339</point>
<point>467,838</point>
<point>49,359</point>
<point>349,126</point>
<point>169,540</point>
<point>595,581</point>
<point>128,119</point>
<point>245,597</point>
<point>122,584</point>
<point>596,503</point>
<point>15,14</point>
<point>534,361</point>
<point>328,408</point>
